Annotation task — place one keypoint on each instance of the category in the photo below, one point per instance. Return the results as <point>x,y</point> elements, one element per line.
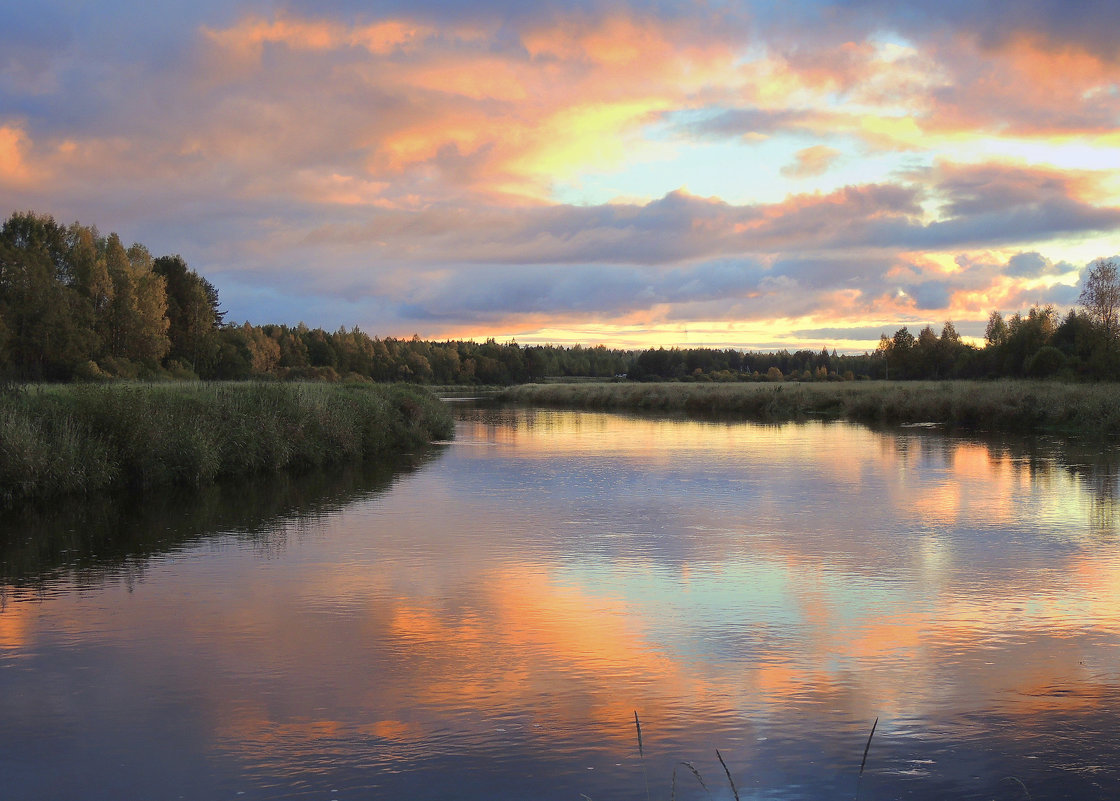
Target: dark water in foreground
<point>483,622</point>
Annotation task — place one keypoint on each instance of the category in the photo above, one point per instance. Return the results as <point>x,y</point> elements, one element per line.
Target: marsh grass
<point>731,781</point>
<point>641,752</point>
<point>863,762</point>
<point>727,771</point>
<point>85,438</point>
<point>991,405</point>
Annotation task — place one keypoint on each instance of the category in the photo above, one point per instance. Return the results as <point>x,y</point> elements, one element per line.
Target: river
<point>484,621</point>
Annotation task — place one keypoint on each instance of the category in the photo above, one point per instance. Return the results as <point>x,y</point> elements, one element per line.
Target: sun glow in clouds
<point>704,175</point>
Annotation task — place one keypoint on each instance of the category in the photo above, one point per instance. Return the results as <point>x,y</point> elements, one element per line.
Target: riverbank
<point>991,405</point>
<point>84,438</point>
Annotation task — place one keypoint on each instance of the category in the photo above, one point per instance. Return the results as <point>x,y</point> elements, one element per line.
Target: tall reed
<point>84,438</point>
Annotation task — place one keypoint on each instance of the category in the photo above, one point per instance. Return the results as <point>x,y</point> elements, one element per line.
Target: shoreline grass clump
<point>84,438</point>
<point>1003,405</point>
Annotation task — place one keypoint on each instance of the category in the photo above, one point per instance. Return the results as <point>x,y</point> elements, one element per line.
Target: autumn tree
<point>150,342</point>
<point>87,264</point>
<point>1101,297</point>
<point>46,332</point>
<point>293,353</point>
<point>996,332</point>
<point>193,314</point>
<point>134,326</point>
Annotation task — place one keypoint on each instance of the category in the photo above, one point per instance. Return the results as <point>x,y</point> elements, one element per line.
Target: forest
<point>79,306</point>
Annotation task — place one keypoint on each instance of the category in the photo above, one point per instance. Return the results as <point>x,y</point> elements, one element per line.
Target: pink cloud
<point>811,162</point>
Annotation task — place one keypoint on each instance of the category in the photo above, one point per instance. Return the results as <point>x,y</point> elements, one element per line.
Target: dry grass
<point>992,405</point>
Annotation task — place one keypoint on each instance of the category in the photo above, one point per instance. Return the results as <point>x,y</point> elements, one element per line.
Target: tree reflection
<point>101,537</point>
<point>1095,466</point>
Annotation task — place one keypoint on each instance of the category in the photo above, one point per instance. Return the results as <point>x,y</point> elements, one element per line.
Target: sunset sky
<point>755,175</point>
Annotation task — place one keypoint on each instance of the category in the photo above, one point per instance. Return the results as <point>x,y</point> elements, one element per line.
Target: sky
<point>757,175</point>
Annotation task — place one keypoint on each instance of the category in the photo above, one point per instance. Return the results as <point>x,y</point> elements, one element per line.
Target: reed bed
<point>991,405</point>
<point>85,438</point>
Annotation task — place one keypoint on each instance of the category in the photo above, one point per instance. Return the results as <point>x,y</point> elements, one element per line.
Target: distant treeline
<point>76,305</point>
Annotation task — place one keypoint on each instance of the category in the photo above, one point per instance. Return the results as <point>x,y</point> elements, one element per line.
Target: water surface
<point>483,623</point>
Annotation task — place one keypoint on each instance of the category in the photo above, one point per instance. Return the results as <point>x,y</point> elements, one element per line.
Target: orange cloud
<point>15,169</point>
<point>811,161</point>
<point>1026,84</point>
<point>497,122</point>
<point>248,38</point>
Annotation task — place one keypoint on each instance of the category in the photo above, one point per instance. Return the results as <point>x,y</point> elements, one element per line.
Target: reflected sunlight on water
<point>485,625</point>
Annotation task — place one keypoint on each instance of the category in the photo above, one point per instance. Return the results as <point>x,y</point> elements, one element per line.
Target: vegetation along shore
<point>82,438</point>
<point>992,405</point>
<point>79,306</point>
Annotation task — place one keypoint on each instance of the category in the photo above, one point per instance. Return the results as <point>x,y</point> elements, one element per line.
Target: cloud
<point>1029,265</point>
<point>399,167</point>
<point>15,167</point>
<point>811,161</point>
<point>853,252</point>
<point>930,295</point>
<point>744,122</point>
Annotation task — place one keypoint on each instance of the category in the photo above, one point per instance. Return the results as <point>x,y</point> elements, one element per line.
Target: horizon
<point>631,175</point>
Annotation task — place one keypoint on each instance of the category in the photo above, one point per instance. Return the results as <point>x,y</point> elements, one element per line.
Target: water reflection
<point>486,626</point>
<point>106,535</point>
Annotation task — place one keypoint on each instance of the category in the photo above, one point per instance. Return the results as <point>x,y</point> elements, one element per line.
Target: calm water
<point>483,622</point>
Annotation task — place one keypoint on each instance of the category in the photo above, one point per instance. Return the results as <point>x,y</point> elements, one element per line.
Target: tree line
<point>76,305</point>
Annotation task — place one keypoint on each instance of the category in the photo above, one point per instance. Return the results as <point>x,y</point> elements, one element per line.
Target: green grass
<point>990,405</point>
<point>85,438</point>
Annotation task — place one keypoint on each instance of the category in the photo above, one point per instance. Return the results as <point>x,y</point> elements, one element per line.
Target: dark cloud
<point>847,332</point>
<point>742,122</point>
<point>968,328</point>
<point>1028,265</point>
<point>988,205</point>
<point>1089,23</point>
<point>515,13</point>
<point>930,294</point>
<point>974,190</point>
<point>834,271</point>
<point>488,293</point>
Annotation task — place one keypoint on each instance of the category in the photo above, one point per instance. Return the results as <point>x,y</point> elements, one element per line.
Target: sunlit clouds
<point>602,173</point>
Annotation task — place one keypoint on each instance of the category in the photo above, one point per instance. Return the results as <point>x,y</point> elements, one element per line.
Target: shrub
<point>1046,362</point>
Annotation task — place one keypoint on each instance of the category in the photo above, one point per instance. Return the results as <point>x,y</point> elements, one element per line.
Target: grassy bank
<point>991,405</point>
<point>84,438</point>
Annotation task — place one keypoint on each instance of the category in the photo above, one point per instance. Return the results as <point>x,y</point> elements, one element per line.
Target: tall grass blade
<point>641,752</point>
<point>729,779</point>
<point>1020,783</point>
<point>695,773</point>
<point>863,762</point>
<point>867,747</point>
